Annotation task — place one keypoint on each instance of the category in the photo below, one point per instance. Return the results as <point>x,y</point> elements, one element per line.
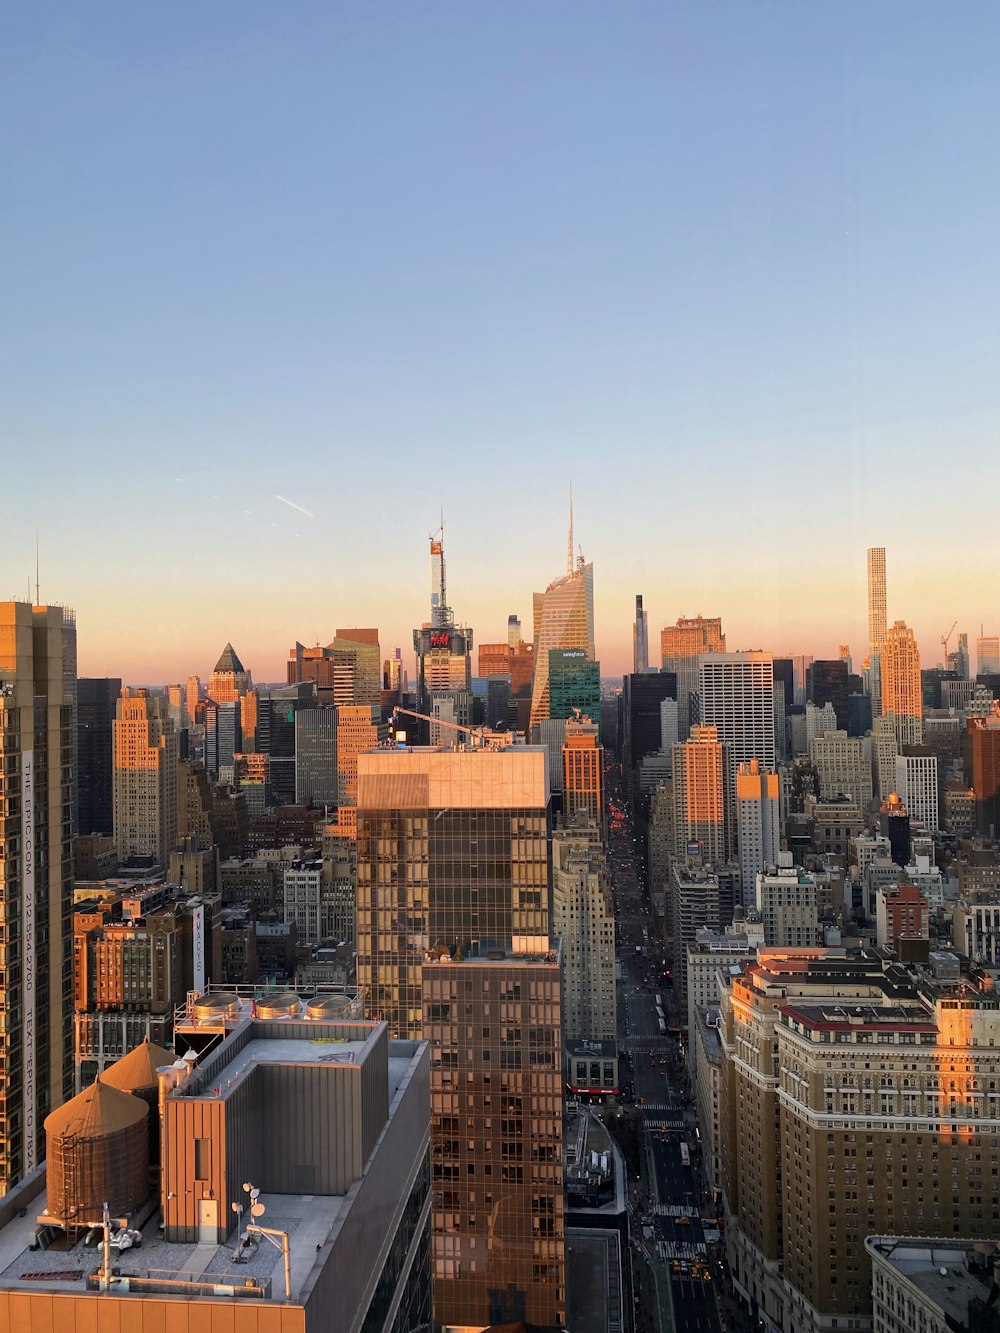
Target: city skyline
<point>288,284</point>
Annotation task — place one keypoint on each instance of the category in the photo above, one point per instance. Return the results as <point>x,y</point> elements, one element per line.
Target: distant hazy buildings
<point>640,638</point>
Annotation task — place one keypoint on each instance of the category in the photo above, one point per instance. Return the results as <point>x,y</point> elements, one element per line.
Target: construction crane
<point>944,643</point>
<point>476,735</point>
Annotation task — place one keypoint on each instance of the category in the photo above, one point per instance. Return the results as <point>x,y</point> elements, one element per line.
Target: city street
<point>667,1229</point>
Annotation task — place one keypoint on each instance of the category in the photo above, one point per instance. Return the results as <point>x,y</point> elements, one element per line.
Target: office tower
<point>358,729</point>
<point>987,655</point>
<point>892,1137</point>
<point>640,638</point>
<point>230,680</point>
<point>958,661</point>
<point>859,715</point>
<point>583,771</point>
<point>640,728</point>
<point>801,663</point>
<point>669,725</point>
<point>983,769</point>
<point>514,632</point>
<point>564,618</point>
<point>885,747</point>
<point>223,738</point>
<point>303,891</point>
<point>737,698</point>
<point>574,684</point>
<point>876,600</point>
<point>693,902</point>
<point>758,824</point>
<point>819,721</point>
<point>36,872</point>
<point>394,677</point>
<point>681,646</point>
<point>894,825</point>
<point>276,711</point>
<point>494,659</point>
<point>346,671</point>
<point>784,672</point>
<point>444,650</point>
<point>522,670</point>
<point>453,852</point>
<point>787,899</point>
<point>917,785</point>
<point>95,720</point>
<point>498,1231</point>
<point>827,682</point>
<point>316,773</point>
<point>498,701</point>
<point>842,768</point>
<point>699,793</point>
<point>453,933</point>
<point>70,686</point>
<point>192,698</point>
<point>145,778</point>
<point>583,918</point>
<point>901,693</point>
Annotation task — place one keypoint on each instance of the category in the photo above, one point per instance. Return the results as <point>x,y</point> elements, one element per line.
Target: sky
<point>728,269</point>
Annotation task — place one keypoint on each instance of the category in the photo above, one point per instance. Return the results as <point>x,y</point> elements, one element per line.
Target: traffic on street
<point>673,1238</point>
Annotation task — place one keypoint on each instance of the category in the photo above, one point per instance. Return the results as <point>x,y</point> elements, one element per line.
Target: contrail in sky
<point>292,505</point>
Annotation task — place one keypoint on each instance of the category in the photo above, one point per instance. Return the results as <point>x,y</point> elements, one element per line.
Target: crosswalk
<point>659,1106</point>
<point>672,1210</point>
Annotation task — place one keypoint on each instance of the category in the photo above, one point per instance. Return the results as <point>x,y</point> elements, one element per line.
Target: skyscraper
<point>316,776</point>
<point>901,693</point>
<point>736,695</point>
<point>444,651</point>
<point>36,873</point>
<point>574,684</point>
<point>758,825</point>
<point>876,600</point>
<point>583,917</point>
<point>95,721</point>
<point>583,771</point>
<point>987,655</point>
<point>640,638</point>
<point>681,646</point>
<point>145,778</point>
<point>453,852</point>
<point>453,945</point>
<point>564,618</point>
<point>699,776</point>
<point>346,671</point>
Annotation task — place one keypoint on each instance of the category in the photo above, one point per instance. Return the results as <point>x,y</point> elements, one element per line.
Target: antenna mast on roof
<point>569,548</point>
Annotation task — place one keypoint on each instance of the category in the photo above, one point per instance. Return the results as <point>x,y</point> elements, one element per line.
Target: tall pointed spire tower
<point>564,619</point>
<point>444,653</point>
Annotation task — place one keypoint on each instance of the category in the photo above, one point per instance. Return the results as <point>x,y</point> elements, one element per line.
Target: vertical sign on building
<point>28,951</point>
<point>198,939</point>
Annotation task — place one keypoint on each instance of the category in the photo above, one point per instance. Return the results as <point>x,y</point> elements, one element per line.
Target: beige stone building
<point>144,789</point>
<point>583,917</point>
<point>857,1099</point>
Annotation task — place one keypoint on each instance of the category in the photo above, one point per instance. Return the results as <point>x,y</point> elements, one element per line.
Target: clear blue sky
<point>731,268</point>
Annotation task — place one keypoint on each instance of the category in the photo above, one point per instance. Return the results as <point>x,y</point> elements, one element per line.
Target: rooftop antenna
<point>38,600</point>
<point>569,548</point>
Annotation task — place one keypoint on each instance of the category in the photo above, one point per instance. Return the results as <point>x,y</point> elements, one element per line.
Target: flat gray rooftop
<point>310,1221</point>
